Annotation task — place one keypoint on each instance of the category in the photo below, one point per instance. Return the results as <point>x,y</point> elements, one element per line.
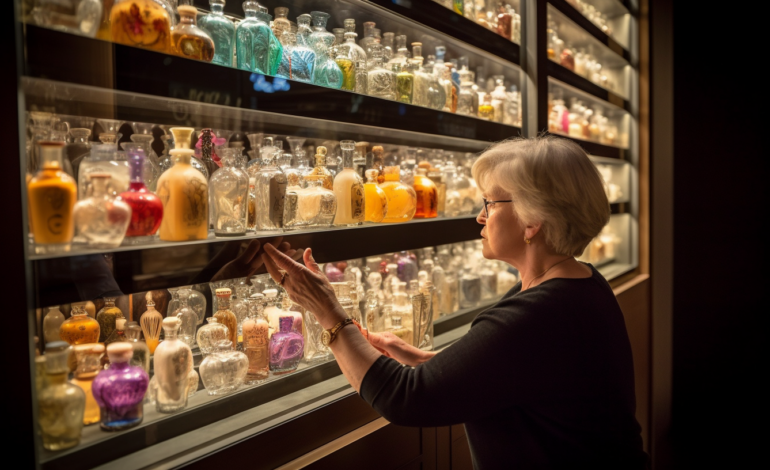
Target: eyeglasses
<point>487,203</point>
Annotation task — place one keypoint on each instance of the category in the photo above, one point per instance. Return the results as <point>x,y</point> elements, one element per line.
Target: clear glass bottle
<point>467,99</point>
<point>118,335</point>
<point>88,357</point>
<point>224,370</point>
<point>107,317</point>
<point>297,62</point>
<point>256,340</point>
<point>304,30</point>
<point>387,46</point>
<point>427,196</point>
<point>188,40</point>
<point>450,90</point>
<point>146,207</point>
<point>342,292</point>
<point>51,196</point>
<point>79,328</point>
<point>75,17</point>
<point>239,305</point>
<point>142,139</point>
<point>328,72</point>
<point>375,199</point>
<point>269,192</point>
<point>184,193</point>
<point>119,390</point>
<point>281,22</point>
<point>222,32</point>
<point>402,199</point>
<point>142,23</point>
<point>401,53</point>
<point>368,40</point>
<point>380,81</point>
<point>287,347</point>
<point>470,289</point>
<point>404,83</point>
<point>228,197</point>
<point>320,40</point>
<point>141,355</point>
<point>309,207</point>
<point>172,364</point>
<point>225,316</point>
<point>320,172</point>
<point>427,89</point>
<point>315,351</point>
<point>187,317</point>
<point>52,322</point>
<point>61,405</point>
<point>424,321</point>
<point>100,218</point>
<point>348,189</point>
<point>209,335</point>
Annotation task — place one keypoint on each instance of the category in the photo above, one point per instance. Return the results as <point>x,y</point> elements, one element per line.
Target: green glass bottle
<point>245,34</point>
<point>267,48</point>
<point>221,30</point>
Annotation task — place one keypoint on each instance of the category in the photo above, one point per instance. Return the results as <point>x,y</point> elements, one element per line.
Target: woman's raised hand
<point>306,285</point>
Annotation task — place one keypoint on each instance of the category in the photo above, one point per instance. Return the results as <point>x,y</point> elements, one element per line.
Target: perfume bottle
<point>270,193</point>
<point>267,48</point>
<point>309,207</point>
<point>79,328</point>
<point>150,322</point>
<point>342,292</point>
<point>51,197</point>
<point>107,317</point>
<point>380,82</point>
<point>225,316</point>
<point>329,73</point>
<point>427,90</point>
<point>402,199</point>
<point>467,98</point>
<point>100,218</point>
<point>210,334</point>
<point>349,189</point>
<point>187,318</point>
<point>61,405</point>
<point>320,172</point>
<point>423,334</point>
<point>504,21</point>
<point>224,370</point>
<point>287,347</point>
<point>146,207</point>
<point>470,289</point>
<point>427,196</point>
<point>52,322</point>
<point>246,38</point>
<point>187,39</point>
<point>449,292</point>
<point>205,149</point>
<point>357,57</point>
<point>222,32</point>
<point>142,23</point>
<point>281,22</point>
<point>141,354</point>
<point>297,62</point>
<point>256,339</point>
<point>315,351</point>
<point>118,335</point>
<point>184,193</point>
<point>88,357</point>
<point>404,83</point>
<point>375,199</point>
<point>368,38</point>
<point>228,197</point>
<point>303,30</point>
<point>77,17</point>
<point>119,390</point>
<point>142,138</point>
<point>172,363</point>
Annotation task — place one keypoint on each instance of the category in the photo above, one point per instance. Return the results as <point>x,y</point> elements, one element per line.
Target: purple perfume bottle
<point>407,266</point>
<point>287,347</point>
<point>119,390</point>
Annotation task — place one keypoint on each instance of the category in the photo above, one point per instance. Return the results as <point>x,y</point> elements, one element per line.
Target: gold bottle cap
<point>182,136</point>
<point>224,292</point>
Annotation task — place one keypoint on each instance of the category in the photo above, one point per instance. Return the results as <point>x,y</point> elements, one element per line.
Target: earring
<point>527,240</point>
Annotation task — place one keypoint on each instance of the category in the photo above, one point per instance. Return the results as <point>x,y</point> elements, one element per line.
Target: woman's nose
<point>481,218</point>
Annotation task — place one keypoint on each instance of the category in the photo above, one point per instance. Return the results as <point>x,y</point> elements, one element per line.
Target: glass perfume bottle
<point>142,23</point>
<point>486,110</point>
<point>79,328</point>
<point>172,363</point>
<point>269,193</point>
<point>423,334</point>
<point>61,405</point>
<point>328,71</point>
<point>469,289</point>
<point>205,149</point>
<point>309,207</point>
<point>267,47</point>
<point>222,32</point>
<point>404,83</point>
<point>52,322</point>
<point>427,196</point>
<point>380,82</point>
<point>287,347</point>
<point>246,43</point>
<point>101,218</point>
<point>151,321</point>
<point>281,22</point>
<point>303,30</point>
<point>427,90</point>
<point>228,197</point>
<point>210,334</point>
<point>79,148</point>
<point>107,317</point>
<point>224,370</point>
<point>141,353</point>
<point>51,196</point>
<point>349,189</point>
<point>402,199</point>
<point>187,317</point>
<point>320,39</point>
<point>320,172</point>
<point>356,55</point>
<point>88,357</point>
<point>146,207</point>
<point>467,98</point>
<point>499,99</point>
<point>184,193</point>
<point>239,305</point>
<point>187,39</point>
<point>297,62</point>
<point>225,316</point>
<point>368,38</point>
<point>256,339</point>
<point>118,335</point>
<point>77,17</point>
<point>119,390</point>
<point>375,199</point>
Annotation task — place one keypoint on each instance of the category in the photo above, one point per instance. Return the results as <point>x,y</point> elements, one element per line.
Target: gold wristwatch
<point>330,335</point>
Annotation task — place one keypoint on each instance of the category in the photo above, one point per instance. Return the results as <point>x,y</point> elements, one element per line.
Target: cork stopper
<point>120,352</point>
<point>182,137</point>
<point>187,10</point>
<point>224,292</point>
<point>120,324</point>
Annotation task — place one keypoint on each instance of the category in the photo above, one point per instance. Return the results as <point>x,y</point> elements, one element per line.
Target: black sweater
<point>544,379</point>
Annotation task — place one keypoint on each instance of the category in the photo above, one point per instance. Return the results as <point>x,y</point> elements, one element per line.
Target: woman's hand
<point>306,286</point>
<point>250,261</point>
<point>392,346</point>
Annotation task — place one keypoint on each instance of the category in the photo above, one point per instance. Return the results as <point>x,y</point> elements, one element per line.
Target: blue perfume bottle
<point>298,62</point>
<point>221,30</point>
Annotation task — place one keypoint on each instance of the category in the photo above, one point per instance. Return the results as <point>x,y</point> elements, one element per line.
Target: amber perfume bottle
<point>375,199</point>
<point>427,196</point>
<point>141,23</point>
<point>187,39</point>
<point>402,199</point>
<point>107,318</point>
<point>79,328</point>
<point>225,316</point>
<point>88,357</point>
<point>256,339</point>
<point>320,172</point>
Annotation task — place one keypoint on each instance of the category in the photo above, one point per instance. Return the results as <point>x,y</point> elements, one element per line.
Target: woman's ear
<point>532,229</point>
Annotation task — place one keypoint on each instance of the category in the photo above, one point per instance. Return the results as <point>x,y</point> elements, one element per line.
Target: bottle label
<point>357,201</point>
<point>277,198</point>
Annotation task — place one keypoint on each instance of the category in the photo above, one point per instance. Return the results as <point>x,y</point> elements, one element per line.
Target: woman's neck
<point>537,265</point>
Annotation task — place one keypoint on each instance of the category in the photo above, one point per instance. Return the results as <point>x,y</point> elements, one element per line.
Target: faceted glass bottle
<point>101,218</point>
<point>380,82</point>
<point>404,83</point>
<point>188,40</point>
<point>209,335</point>
<point>61,405</point>
<point>141,23</point>
<point>146,207</point>
<point>349,189</point>
<point>119,390</point>
<point>184,193</point>
<point>76,17</point>
<point>88,357</point>
<point>302,60</point>
<point>246,37</point>
<point>427,196</point>
<point>225,316</point>
<point>402,199</point>
<point>375,199</point>
<point>309,207</point>
<point>187,317</point>
<point>328,72</point>
<point>256,340</point>
<point>228,197</point>
<point>320,172</point>
<point>287,347</point>
<point>141,355</point>
<point>269,195</point>
<point>107,317</point>
<point>51,196</point>
<point>224,370</point>
<point>79,328</point>
<point>427,90</point>
<point>172,363</point>
<point>222,32</point>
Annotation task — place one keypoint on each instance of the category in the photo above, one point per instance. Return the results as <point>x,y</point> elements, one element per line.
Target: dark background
<point>720,96</point>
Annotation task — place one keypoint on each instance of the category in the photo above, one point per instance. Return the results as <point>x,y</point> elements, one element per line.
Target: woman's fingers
<point>310,262</point>
<point>283,261</point>
<point>251,251</point>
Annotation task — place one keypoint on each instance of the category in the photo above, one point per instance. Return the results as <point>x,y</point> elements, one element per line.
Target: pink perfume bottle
<point>287,347</point>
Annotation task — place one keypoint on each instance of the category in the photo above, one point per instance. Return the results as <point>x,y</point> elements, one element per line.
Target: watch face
<point>326,338</point>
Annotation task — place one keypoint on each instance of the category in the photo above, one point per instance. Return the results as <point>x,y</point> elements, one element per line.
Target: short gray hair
<point>552,181</point>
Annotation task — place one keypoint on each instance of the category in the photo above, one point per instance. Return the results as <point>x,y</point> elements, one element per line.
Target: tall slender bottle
<point>221,30</point>
<point>245,37</point>
<point>269,194</point>
<point>51,197</point>
<point>404,82</point>
<point>225,316</point>
<point>228,197</point>
<point>172,363</point>
<point>88,357</point>
<point>61,405</point>
<point>184,193</point>
<point>267,48</point>
<point>256,341</point>
<point>151,321</point>
<point>349,189</point>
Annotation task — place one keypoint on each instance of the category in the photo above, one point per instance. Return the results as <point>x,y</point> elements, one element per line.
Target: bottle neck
<point>347,158</point>
<point>57,378</point>
<point>99,186</point>
<point>217,9</point>
<point>223,303</point>
<point>119,365</point>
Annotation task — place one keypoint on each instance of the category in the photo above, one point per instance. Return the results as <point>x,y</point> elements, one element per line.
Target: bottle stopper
<point>120,352</point>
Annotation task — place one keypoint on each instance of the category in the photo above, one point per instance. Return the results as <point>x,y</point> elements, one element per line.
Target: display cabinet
<point>121,111</point>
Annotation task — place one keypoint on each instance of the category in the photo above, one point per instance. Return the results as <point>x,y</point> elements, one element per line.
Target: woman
<point>543,379</point>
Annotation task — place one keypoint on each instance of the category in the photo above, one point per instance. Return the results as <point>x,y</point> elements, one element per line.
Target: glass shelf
<point>480,13</point>
<point>610,16</point>
<point>614,251</point>
<point>617,178</point>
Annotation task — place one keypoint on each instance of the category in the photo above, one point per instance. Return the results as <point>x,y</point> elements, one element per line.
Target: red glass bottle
<point>503,21</point>
<point>146,207</point>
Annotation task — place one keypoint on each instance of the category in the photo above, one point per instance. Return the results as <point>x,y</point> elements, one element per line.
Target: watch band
<point>331,334</point>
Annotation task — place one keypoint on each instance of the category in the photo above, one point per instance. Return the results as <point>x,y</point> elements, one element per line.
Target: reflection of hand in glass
<point>250,262</point>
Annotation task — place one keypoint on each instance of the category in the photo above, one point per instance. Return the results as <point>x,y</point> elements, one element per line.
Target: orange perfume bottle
<point>427,195</point>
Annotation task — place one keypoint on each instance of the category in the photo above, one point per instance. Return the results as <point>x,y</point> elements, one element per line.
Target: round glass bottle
<point>61,405</point>
<point>79,328</point>
<point>224,370</point>
<point>107,317</point>
<point>119,390</point>
<point>209,335</point>
<point>402,199</point>
<point>101,218</point>
<point>141,23</point>
<point>188,40</point>
<point>146,207</point>
<point>287,347</point>
<point>141,355</point>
